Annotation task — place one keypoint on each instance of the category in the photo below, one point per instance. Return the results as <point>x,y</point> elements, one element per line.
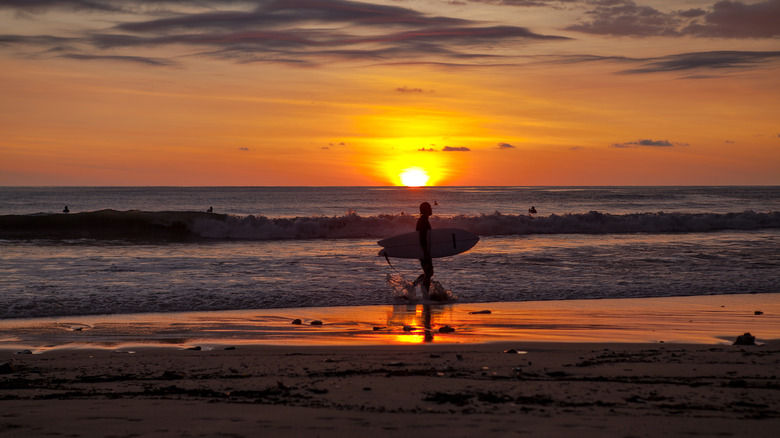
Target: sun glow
<point>414,177</point>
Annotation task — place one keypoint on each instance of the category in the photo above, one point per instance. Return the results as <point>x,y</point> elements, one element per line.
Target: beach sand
<point>605,372</point>
<point>542,389</point>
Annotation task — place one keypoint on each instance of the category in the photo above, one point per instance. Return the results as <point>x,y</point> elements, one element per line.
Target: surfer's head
<point>425,209</point>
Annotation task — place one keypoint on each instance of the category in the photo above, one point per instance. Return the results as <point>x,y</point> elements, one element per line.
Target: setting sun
<point>414,177</point>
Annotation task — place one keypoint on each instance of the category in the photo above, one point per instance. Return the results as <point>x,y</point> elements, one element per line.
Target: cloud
<point>716,60</point>
<point>304,32</point>
<point>724,19</point>
<point>455,149</point>
<point>505,146</point>
<point>624,17</point>
<point>738,20</point>
<point>122,6</point>
<point>41,6</point>
<point>135,59</point>
<point>330,145</point>
<point>647,143</point>
<point>296,13</point>
<point>519,3</point>
<point>405,89</point>
<point>426,150</point>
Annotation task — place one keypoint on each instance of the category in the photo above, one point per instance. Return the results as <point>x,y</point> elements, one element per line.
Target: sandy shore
<point>495,389</point>
<point>616,368</point>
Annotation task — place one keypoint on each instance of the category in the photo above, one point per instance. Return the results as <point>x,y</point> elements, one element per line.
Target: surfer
<point>424,227</point>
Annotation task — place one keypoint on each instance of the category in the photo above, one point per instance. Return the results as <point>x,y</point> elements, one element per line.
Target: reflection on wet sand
<point>702,319</point>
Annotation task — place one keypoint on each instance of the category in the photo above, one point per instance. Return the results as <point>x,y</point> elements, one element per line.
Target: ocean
<point>123,250</point>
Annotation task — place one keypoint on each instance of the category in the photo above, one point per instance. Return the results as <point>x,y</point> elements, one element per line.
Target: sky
<point>359,93</point>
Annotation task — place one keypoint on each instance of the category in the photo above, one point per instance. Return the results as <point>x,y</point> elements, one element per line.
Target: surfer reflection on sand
<point>413,322</point>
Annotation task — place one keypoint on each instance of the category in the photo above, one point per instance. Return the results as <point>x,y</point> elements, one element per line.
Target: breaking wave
<point>178,226</point>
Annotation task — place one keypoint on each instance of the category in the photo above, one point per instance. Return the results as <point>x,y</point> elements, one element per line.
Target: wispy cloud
<point>455,149</point>
<point>307,32</point>
<point>135,59</point>
<point>505,146</point>
<point>706,62</point>
<point>647,143</point>
<point>406,89</point>
<point>519,3</point>
<point>716,60</point>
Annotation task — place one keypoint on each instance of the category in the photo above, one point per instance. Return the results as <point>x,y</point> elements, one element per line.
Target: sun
<point>414,177</point>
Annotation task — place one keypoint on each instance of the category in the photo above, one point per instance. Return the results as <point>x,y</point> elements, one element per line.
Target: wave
<point>187,225</point>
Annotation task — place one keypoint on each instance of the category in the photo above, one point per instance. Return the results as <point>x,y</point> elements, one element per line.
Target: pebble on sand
<point>746,339</point>
<point>446,329</point>
<point>481,312</point>
<point>316,322</point>
<point>297,322</point>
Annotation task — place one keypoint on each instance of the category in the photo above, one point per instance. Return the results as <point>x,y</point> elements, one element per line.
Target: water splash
<point>406,290</point>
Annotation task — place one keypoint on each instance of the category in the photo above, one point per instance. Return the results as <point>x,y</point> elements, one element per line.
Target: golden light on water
<point>414,177</point>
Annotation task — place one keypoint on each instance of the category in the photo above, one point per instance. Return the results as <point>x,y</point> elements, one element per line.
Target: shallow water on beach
<point>285,261</point>
<point>113,277</point>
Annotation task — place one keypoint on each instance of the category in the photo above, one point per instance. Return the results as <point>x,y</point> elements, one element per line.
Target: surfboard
<point>445,242</point>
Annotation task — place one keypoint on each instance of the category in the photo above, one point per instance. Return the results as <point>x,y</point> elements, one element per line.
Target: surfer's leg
<point>427,266</point>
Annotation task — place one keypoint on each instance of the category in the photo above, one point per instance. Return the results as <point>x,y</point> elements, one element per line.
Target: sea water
<point>150,249</point>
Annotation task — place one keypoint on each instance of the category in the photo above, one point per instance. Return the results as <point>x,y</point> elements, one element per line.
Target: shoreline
<point>703,319</point>
<point>586,369</point>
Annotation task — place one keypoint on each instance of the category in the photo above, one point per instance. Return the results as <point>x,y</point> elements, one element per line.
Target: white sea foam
<point>355,226</point>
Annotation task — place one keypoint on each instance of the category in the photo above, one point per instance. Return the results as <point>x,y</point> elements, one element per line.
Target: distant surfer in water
<point>424,227</point>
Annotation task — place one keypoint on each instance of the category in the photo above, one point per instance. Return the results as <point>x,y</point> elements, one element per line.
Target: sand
<point>535,389</point>
<point>617,368</point>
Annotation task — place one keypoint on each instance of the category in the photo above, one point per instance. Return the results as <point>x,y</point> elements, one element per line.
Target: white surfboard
<point>444,242</point>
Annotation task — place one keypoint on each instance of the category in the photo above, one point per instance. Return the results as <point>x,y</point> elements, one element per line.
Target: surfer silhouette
<point>424,227</point>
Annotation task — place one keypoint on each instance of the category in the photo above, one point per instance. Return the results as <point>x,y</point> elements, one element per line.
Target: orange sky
<point>333,92</point>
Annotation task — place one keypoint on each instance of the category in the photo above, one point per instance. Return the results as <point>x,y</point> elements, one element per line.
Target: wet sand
<point>628,368</point>
<point>714,319</point>
<point>506,389</point>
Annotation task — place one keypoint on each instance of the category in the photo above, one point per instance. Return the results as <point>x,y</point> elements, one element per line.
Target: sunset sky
<point>335,92</point>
